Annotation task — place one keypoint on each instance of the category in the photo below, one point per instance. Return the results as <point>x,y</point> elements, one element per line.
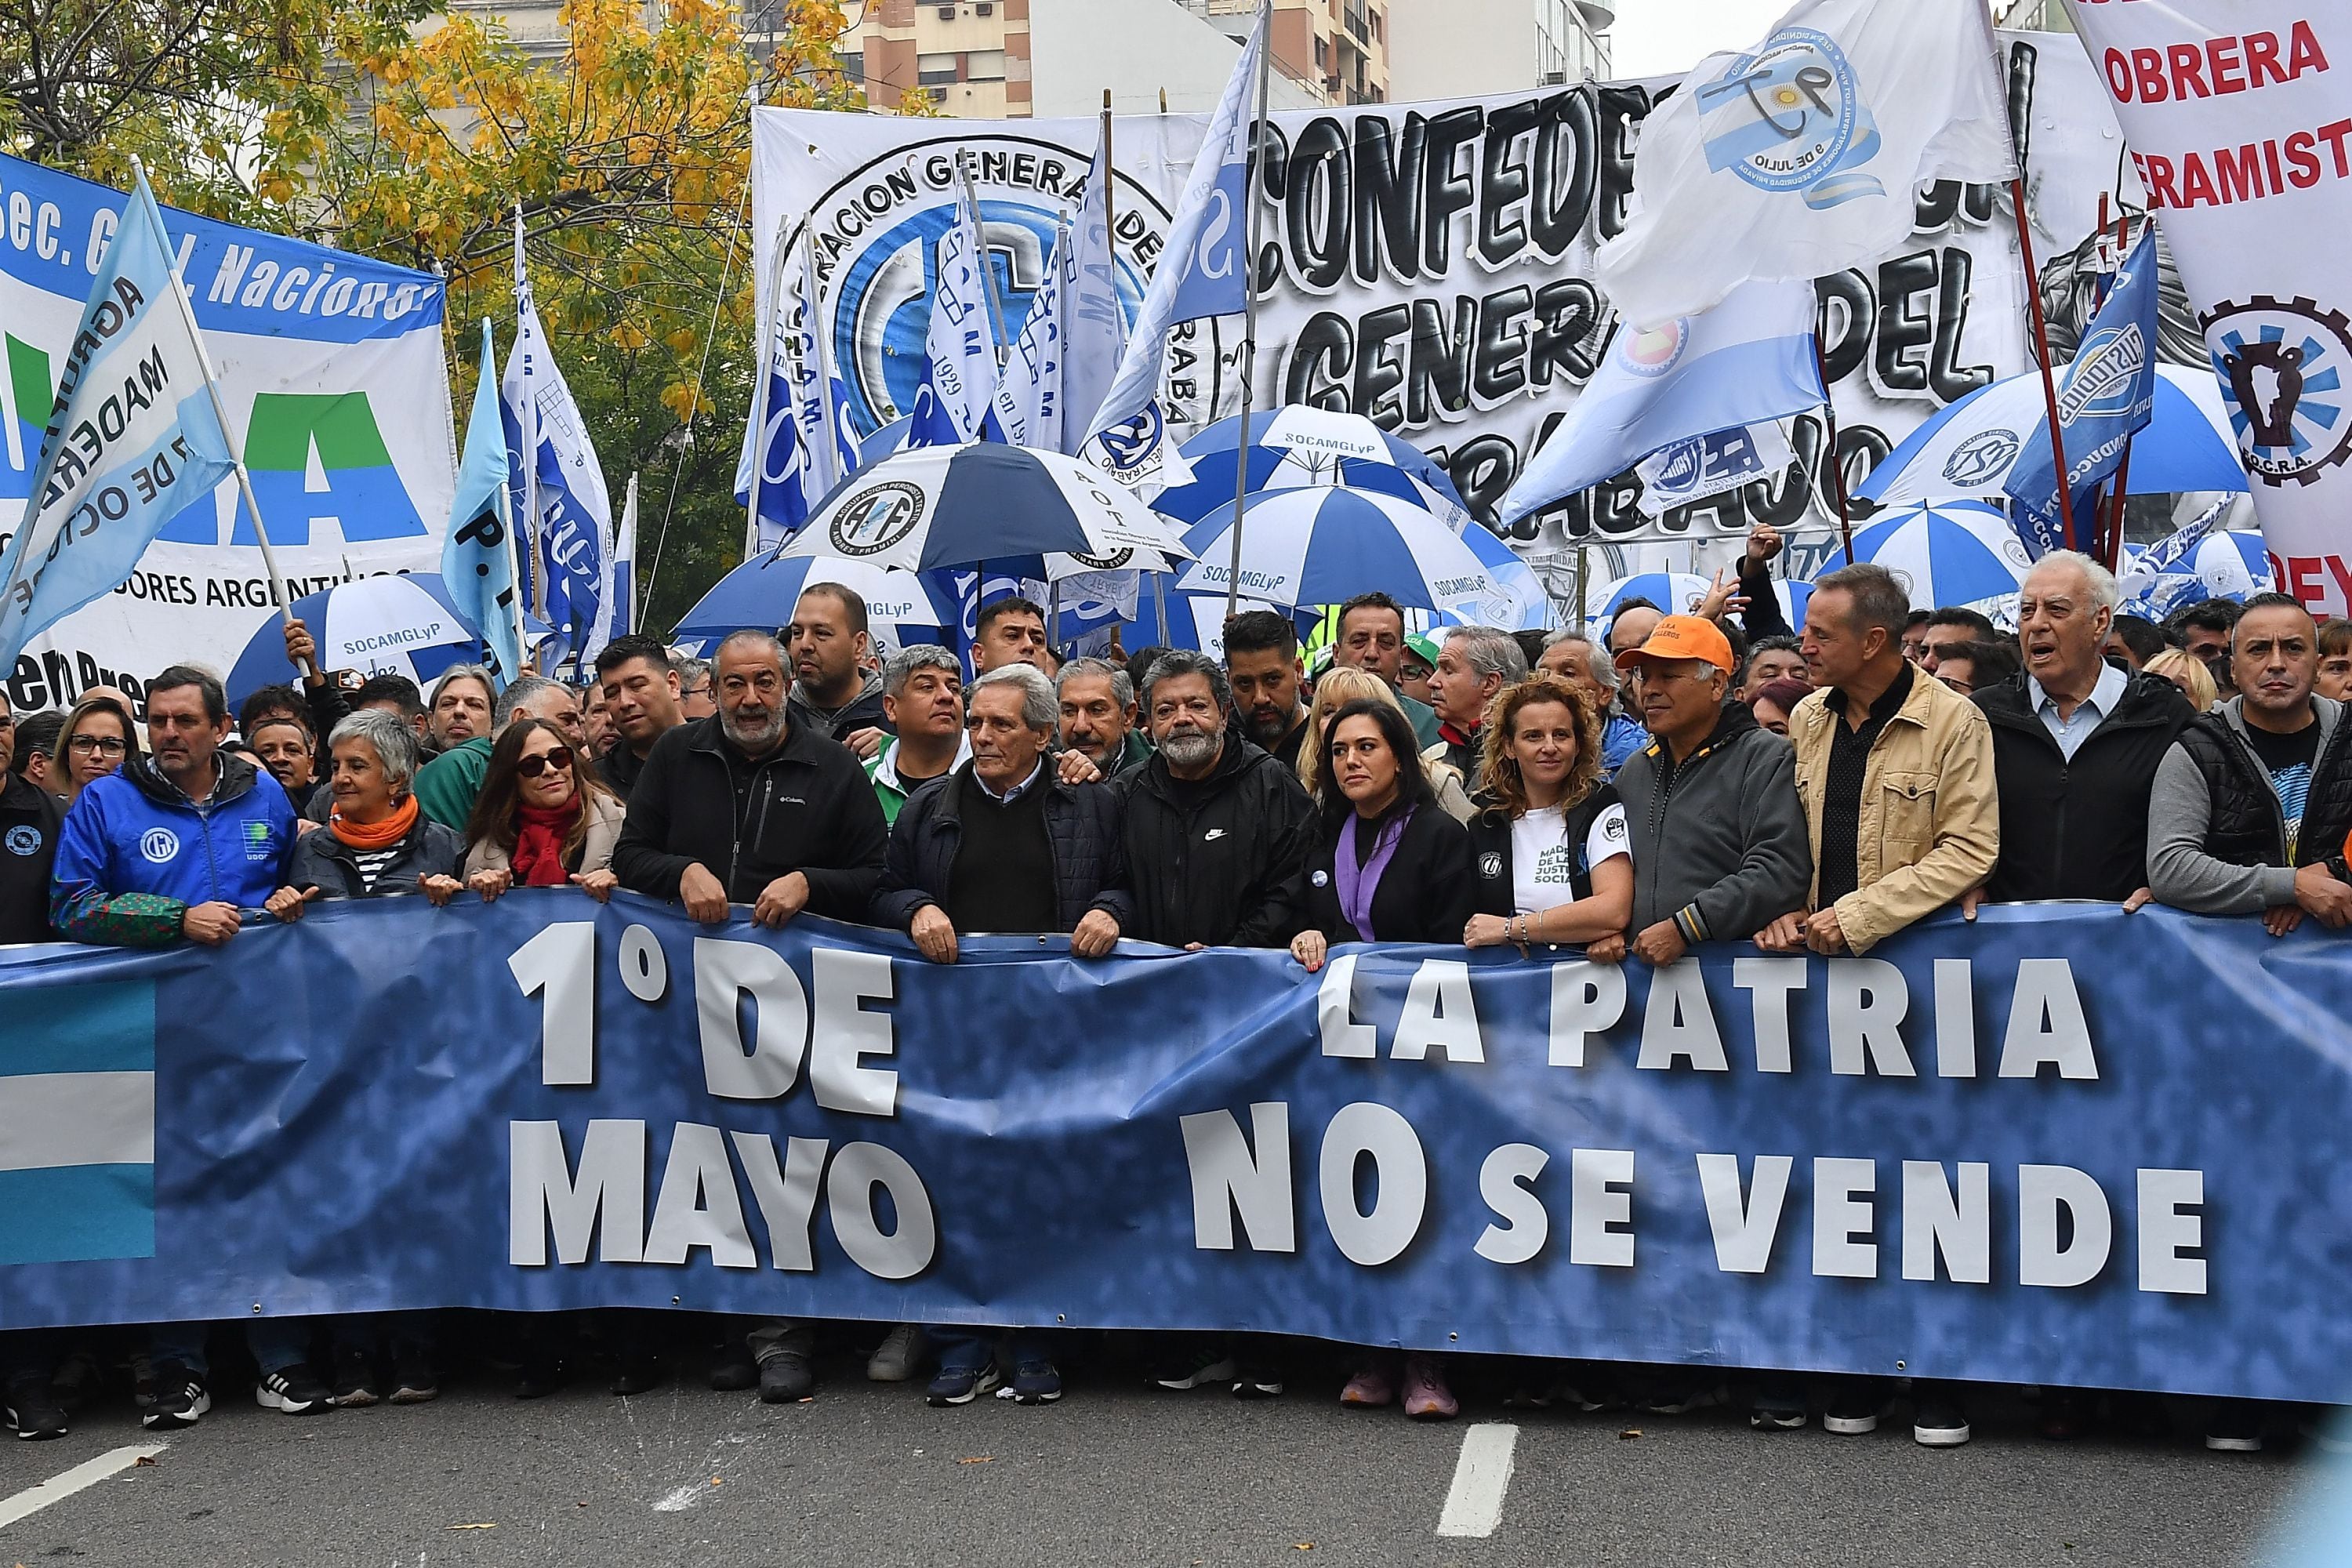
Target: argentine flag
<point>1747,362</point>
<point>78,1125</point>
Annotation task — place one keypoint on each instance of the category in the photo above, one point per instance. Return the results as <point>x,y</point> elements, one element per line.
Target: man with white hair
<point>2076,745</point>
<point>1584,664</point>
<point>1475,663</point>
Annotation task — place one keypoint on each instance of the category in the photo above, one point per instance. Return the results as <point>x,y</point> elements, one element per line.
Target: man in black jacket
<point>835,694</point>
<point>29,819</point>
<point>1216,832</point>
<point>2075,746</point>
<point>750,809</point>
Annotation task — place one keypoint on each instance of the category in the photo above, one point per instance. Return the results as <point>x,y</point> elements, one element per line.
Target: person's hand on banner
<point>1311,949</point>
<point>934,934</point>
<point>2281,919</point>
<point>1786,934</point>
<point>700,892</point>
<point>287,903</point>
<point>1610,949</point>
<point>598,884</point>
<point>1822,932</point>
<point>1661,944</point>
<point>2319,894</point>
<point>210,924</point>
<point>780,899</point>
<point>2140,900</point>
<point>490,883</point>
<point>1974,897</point>
<point>438,891</point>
<point>1096,934</point>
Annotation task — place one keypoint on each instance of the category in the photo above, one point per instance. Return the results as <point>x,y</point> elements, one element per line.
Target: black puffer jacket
<point>325,862</point>
<point>1222,862</point>
<point>2077,829</point>
<point>2247,826</point>
<point>1081,834</point>
<point>30,818</point>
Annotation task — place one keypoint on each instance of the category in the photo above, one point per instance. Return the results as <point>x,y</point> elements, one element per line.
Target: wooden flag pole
<point>1254,189</point>
<point>2042,340</point>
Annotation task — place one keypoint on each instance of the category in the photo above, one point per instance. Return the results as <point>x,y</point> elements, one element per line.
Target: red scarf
<point>538,858</point>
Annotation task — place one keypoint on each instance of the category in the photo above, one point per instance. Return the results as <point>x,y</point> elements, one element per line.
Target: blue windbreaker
<point>135,852</point>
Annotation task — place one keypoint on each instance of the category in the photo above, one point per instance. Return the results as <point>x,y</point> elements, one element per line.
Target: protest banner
<point>330,366</point>
<point>2239,121</point>
<point>2061,1145</point>
<point>1431,267</point>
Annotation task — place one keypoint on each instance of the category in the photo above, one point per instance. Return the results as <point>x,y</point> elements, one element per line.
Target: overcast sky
<point>1660,37</point>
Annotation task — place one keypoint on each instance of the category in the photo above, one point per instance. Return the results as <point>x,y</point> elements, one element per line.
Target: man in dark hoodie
<point>834,693</point>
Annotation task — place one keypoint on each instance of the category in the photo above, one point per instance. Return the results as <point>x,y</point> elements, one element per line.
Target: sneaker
<point>1528,1396</point>
<point>1371,1388</point>
<point>413,1379</point>
<point>784,1377</point>
<point>354,1378</point>
<point>73,1380</point>
<point>1777,1410</point>
<point>32,1412</point>
<point>1676,1399</point>
<point>1427,1398</point>
<point>899,1355</point>
<point>295,1391</point>
<point>962,1384</point>
<point>2235,1426</point>
<point>635,1374</point>
<point>1852,1413</point>
<point>178,1399</point>
<point>1033,1383</point>
<point>734,1370</point>
<point>1257,1383</point>
<point>1939,1424</point>
<point>1203,1367</point>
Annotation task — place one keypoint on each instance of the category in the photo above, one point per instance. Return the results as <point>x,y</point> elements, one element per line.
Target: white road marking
<point>1482,1478</point>
<point>89,1473</point>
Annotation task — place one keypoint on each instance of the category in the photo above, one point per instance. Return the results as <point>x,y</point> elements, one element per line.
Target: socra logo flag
<point>134,436</point>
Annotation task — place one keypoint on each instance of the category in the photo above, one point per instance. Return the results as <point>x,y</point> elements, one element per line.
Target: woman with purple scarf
<point>1387,865</point>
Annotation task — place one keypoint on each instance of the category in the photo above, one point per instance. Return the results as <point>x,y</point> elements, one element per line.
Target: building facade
<point>1467,49</point>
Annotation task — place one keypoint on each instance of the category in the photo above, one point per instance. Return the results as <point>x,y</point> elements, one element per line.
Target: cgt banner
<point>1429,265</point>
<point>332,368</point>
<point>2240,117</point>
<point>2063,1145</point>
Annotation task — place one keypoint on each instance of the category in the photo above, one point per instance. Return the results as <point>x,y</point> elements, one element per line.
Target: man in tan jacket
<point>1895,772</point>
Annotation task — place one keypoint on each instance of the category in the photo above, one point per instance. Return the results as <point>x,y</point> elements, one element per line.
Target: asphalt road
<point>870,1475</point>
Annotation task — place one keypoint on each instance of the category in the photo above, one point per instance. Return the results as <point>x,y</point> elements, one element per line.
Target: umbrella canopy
<point>395,624</point>
<point>1969,447</point>
<point>1324,545</point>
<point>2226,564</point>
<point>1676,592</point>
<point>900,607</point>
<point>1021,511</point>
<point>1962,554</point>
<point>1295,447</point>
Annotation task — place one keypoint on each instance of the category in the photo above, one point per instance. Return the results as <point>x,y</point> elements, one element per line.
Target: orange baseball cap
<point>1684,636</point>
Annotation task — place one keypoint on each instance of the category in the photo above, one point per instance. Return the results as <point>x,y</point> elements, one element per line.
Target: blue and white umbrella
<point>900,607</point>
<point>395,624</point>
<point>1965,553</point>
<point>1969,447</point>
<point>1675,593</point>
<point>2231,565</point>
<point>1021,511</point>
<point>1324,545</point>
<point>1297,445</point>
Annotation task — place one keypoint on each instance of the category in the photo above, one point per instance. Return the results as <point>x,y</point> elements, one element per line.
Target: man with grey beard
<point>1217,831</point>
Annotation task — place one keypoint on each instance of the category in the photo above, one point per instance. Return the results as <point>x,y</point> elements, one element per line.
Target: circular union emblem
<point>1490,865</point>
<point>1653,351</point>
<point>875,519</point>
<point>1111,562</point>
<point>2283,364</point>
<point>159,846</point>
<point>24,840</point>
<point>1983,455</point>
<point>1802,112</point>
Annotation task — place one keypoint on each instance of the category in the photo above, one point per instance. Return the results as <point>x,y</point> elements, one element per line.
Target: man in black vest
<point>1003,845</point>
<point>2076,745</point>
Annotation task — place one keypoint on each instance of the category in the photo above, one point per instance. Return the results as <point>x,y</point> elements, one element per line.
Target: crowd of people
<point>1713,776</point>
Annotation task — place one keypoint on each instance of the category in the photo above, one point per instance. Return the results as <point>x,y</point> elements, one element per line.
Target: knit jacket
<point>1718,842</point>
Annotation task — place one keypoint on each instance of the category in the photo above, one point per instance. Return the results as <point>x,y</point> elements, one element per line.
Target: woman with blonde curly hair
<point>1552,853</point>
<point>2187,671</point>
<point>1334,690</point>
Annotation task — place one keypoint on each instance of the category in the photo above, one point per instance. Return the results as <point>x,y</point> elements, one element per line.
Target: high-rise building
<point>1465,49</point>
<point>2033,15</point>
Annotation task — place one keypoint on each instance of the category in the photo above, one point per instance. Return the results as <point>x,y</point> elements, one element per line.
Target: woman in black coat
<point>1387,865</point>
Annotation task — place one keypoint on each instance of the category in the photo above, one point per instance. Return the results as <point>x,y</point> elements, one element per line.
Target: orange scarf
<point>376,835</point>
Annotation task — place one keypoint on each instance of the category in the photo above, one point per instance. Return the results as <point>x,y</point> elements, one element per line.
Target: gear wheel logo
<point>2283,364</point>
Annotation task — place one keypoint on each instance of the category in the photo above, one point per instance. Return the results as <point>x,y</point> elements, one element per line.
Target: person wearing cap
<point>1415,663</point>
<point>1718,833</point>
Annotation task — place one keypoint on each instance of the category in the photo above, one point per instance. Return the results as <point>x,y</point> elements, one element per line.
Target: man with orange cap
<point>1718,835</point>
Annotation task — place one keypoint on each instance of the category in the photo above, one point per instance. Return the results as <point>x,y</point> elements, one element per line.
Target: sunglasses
<point>559,757</point>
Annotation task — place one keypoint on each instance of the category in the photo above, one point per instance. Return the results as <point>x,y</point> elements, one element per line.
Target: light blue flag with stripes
<point>478,557</point>
<point>78,1126</point>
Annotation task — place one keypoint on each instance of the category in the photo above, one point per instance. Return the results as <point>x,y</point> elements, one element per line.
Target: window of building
<point>933,69</point>
<point>853,66</point>
<point>1322,54</point>
<point>984,65</point>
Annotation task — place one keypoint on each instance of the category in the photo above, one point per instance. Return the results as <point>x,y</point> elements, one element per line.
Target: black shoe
<point>2235,1426</point>
<point>1939,1424</point>
<point>178,1399</point>
<point>1852,1412</point>
<point>1257,1383</point>
<point>413,1381</point>
<point>734,1371</point>
<point>296,1391</point>
<point>635,1374</point>
<point>538,1378</point>
<point>33,1414</point>
<point>354,1378</point>
<point>784,1377</point>
<point>1777,1410</point>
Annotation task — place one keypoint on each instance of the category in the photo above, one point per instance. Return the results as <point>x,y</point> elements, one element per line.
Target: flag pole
<point>1254,189</point>
<point>1830,451</point>
<point>987,268</point>
<point>765,370</point>
<point>2113,552</point>
<point>514,551</point>
<point>2042,339</point>
<point>1110,224</point>
<point>526,427</point>
<point>229,435</point>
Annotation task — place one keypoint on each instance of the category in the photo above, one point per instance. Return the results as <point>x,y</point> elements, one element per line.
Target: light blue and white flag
<point>561,500</point>
<point>134,436</point>
<point>1094,318</point>
<point>478,557</point>
<point>1029,395</point>
<point>798,433</point>
<point>1707,466</point>
<point>1202,271</point>
<point>78,1125</point>
<point>1800,157</point>
<point>616,611</point>
<point>952,405</point>
<point>1747,361</point>
<point>2107,397</point>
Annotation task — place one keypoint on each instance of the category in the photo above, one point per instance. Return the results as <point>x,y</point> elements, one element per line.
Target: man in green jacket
<point>922,697</point>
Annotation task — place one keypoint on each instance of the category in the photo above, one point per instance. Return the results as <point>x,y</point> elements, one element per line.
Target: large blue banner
<point>2064,1144</point>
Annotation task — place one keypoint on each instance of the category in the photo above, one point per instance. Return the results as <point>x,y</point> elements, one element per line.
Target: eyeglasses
<point>98,746</point>
<point>556,757</point>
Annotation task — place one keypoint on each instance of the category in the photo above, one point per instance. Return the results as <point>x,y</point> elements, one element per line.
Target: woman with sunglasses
<point>96,739</point>
<point>543,819</point>
<point>376,843</point>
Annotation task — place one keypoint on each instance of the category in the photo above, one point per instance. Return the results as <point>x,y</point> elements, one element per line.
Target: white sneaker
<point>899,1356</point>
